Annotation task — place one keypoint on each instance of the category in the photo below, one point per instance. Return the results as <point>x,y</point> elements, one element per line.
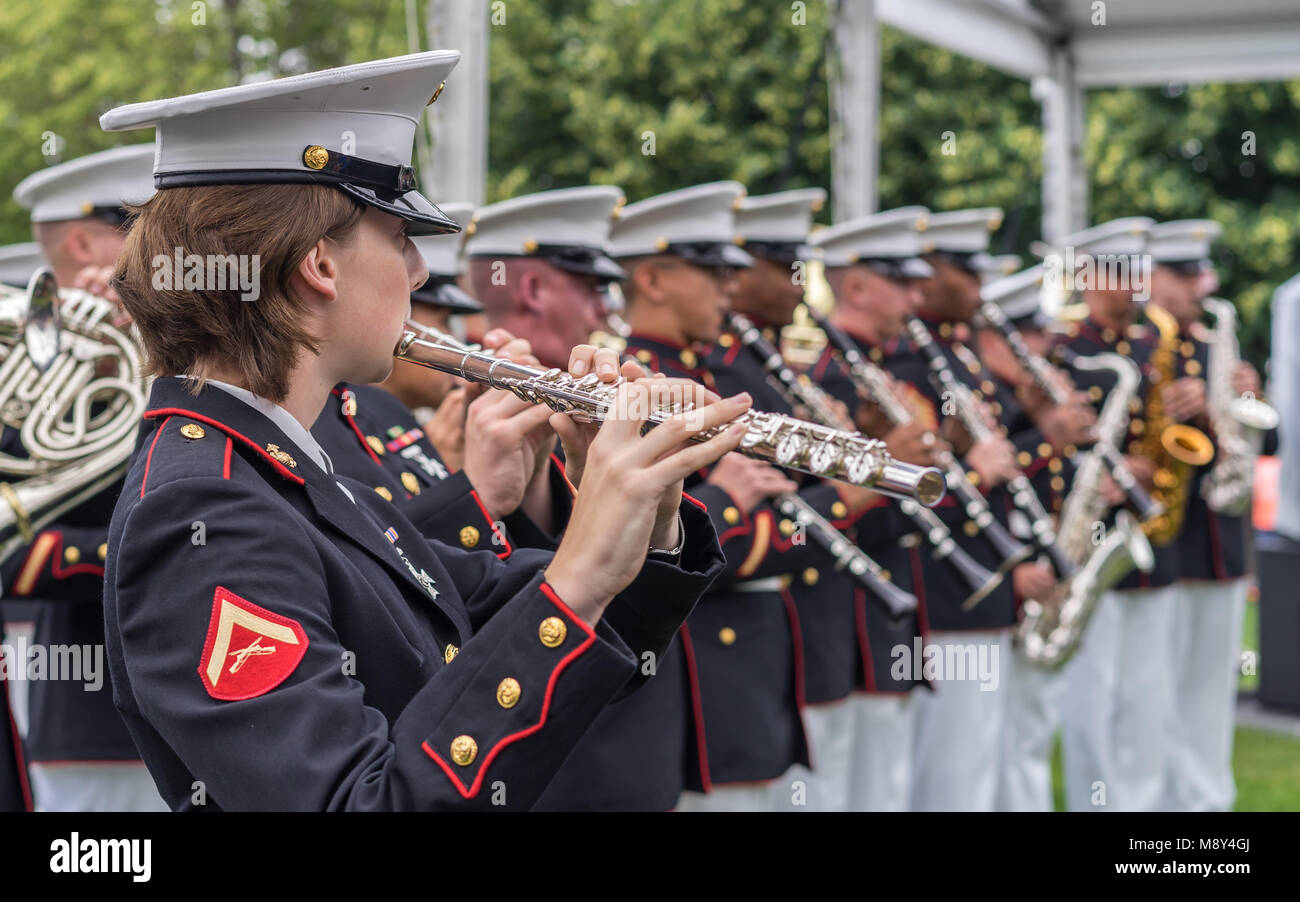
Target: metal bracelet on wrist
<point>681,542</point>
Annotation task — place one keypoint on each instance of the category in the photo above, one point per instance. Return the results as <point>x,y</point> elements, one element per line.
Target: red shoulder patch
<point>249,650</point>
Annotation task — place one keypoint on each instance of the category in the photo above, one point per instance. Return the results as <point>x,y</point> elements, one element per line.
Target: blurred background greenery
<point>730,88</point>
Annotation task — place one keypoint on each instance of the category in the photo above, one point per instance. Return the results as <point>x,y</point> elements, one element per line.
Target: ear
<point>76,244</point>
<point>529,297</point>
<point>316,276</point>
<point>648,280</point>
<point>856,287</point>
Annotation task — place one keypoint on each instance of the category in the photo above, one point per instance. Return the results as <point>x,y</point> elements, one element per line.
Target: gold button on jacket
<point>552,632</point>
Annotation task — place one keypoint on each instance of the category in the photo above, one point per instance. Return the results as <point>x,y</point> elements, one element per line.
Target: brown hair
<point>192,331</point>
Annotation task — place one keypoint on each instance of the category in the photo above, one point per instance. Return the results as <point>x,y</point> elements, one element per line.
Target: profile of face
<point>887,302</point>
<point>952,293</point>
<point>567,308</point>
<point>1177,293</point>
<point>768,290</point>
<point>418,386</point>
<point>367,281</point>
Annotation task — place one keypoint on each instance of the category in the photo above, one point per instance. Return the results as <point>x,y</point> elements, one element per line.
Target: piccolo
<point>1042,371</point>
<point>774,438</point>
<point>968,411</point>
<point>872,385</point>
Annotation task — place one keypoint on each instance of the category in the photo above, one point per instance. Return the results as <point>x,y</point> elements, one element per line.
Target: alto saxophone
<point>1173,447</point>
<point>1239,422</point>
<point>77,426</point>
<point>771,437</point>
<point>1050,630</point>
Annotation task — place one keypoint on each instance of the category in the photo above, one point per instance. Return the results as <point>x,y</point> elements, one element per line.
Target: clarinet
<point>1041,371</point>
<point>774,438</point>
<point>872,385</point>
<point>1022,492</point>
<point>981,580</point>
<point>848,556</point>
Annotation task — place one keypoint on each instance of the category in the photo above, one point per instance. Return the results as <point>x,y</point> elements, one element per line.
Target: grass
<point>1266,765</point>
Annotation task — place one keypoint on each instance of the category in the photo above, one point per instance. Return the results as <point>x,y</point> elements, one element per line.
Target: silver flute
<point>775,438</point>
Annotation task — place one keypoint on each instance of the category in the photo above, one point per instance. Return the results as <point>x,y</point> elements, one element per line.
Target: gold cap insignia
<point>315,157</point>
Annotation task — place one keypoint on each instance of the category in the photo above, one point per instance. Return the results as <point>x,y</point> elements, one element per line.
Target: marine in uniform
<point>1034,692</point>
<point>1212,567</point>
<point>848,632</point>
<point>742,645</point>
<point>310,649</point>
<point>81,756</point>
<point>542,263</point>
<point>1118,712</point>
<point>872,267</point>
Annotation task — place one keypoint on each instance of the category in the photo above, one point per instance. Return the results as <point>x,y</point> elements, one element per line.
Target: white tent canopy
<point>1066,47</point>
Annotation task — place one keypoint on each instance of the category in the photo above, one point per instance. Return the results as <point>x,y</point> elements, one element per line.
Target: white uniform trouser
<point>729,797</point>
<point>1034,699</point>
<point>1118,714</point>
<point>1207,649</point>
<point>883,742</point>
<point>102,786</point>
<point>959,726</point>
<point>829,728</point>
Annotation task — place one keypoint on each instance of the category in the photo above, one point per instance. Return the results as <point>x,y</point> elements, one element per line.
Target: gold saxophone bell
<point>1187,444</point>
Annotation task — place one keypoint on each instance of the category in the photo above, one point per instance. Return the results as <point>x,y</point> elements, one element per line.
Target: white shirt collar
<point>287,422</point>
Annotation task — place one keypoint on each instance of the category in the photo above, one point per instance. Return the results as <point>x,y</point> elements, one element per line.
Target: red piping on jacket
<point>697,709</point>
<point>181,412</point>
<point>474,788</point>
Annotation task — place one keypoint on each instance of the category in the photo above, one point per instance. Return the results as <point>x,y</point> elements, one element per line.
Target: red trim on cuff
<point>581,649</point>
<point>559,465</point>
<point>698,503</point>
<point>181,412</point>
<point>493,526</point>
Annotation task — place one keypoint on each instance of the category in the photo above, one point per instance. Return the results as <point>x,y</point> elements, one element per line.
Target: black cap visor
<point>414,207</point>
<point>442,291</point>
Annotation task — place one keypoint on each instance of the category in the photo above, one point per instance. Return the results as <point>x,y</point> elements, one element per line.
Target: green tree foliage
<point>722,88</point>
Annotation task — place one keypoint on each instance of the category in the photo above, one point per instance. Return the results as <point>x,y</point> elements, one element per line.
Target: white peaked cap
<point>1002,265</point>
<point>352,127</point>
<point>1119,237</point>
<point>696,223</point>
<point>1020,295</point>
<point>568,227</point>
<point>1183,240</point>
<point>963,231</point>
<point>778,224</point>
<point>19,261</point>
<point>96,184</point>
<point>893,235</point>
